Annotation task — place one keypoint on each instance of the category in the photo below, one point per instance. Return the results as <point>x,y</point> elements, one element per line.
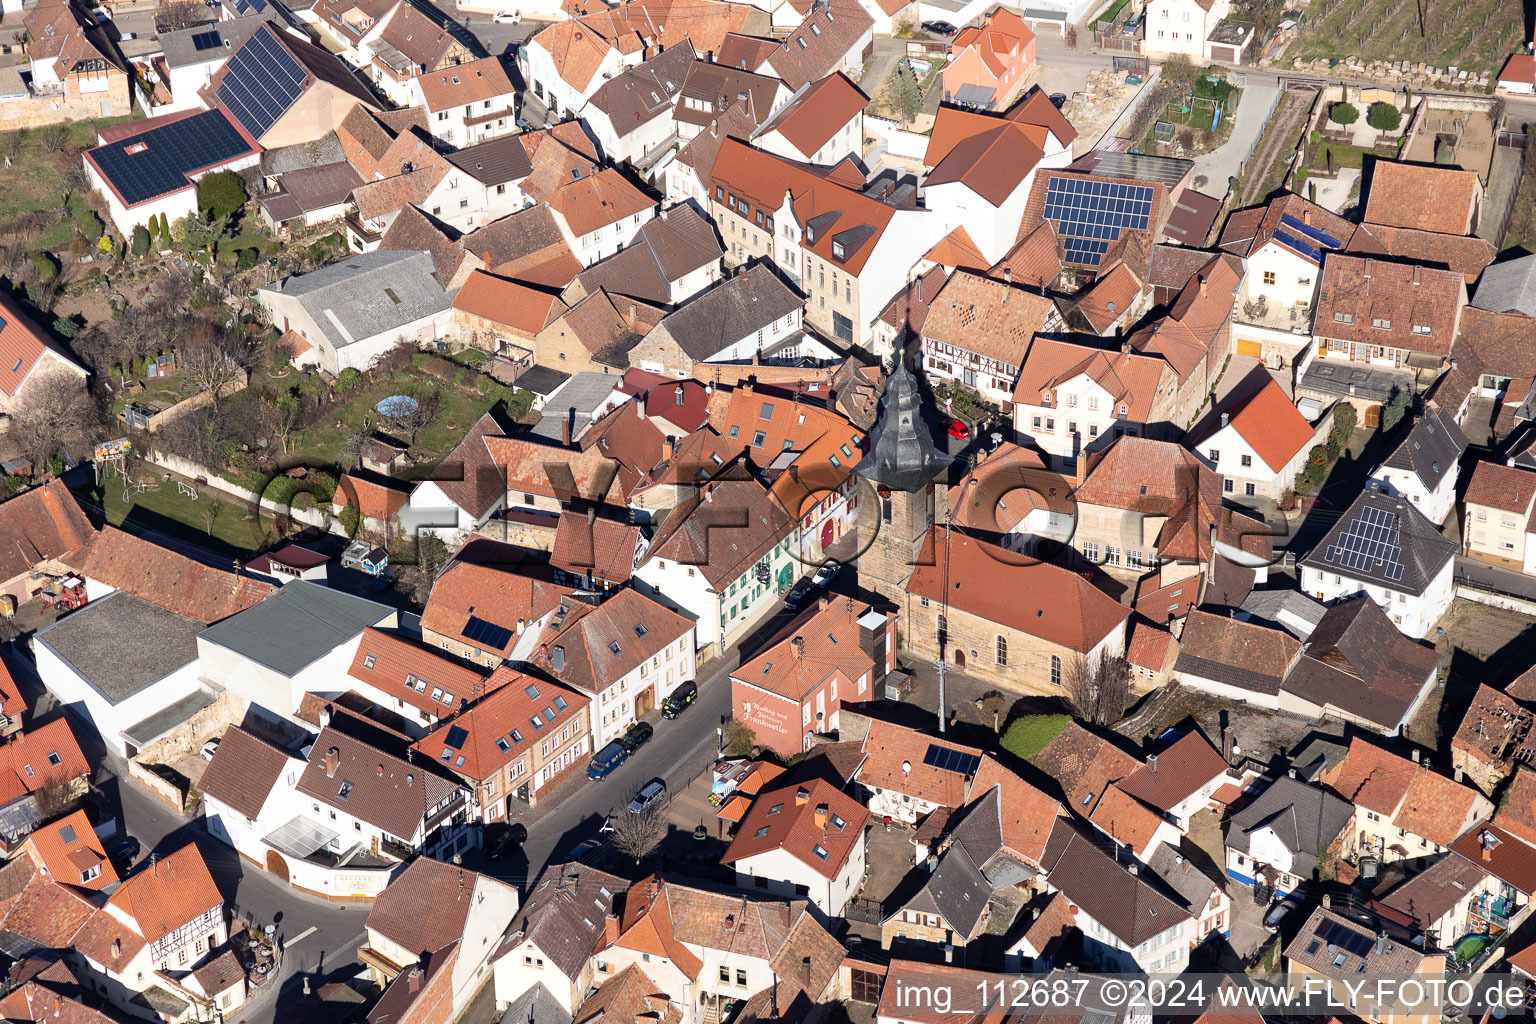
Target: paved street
<point>1226,160</point>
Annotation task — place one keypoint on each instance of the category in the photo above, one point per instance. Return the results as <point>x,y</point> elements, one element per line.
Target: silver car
<point>649,796</point>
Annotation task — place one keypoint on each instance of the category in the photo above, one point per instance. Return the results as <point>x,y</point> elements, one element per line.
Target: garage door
<point>1248,347</point>
<point>1226,53</point>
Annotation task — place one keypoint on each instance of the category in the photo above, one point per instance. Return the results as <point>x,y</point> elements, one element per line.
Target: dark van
<point>606,760</point>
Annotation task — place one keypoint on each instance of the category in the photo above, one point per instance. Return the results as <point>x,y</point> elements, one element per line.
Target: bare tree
<point>14,141</point>
<point>211,507</point>
<point>279,415</point>
<point>54,138</point>
<point>210,369</point>
<point>1098,689</point>
<point>56,799</point>
<point>182,14</point>
<point>353,447</point>
<point>54,411</point>
<point>410,422</point>
<point>636,835</point>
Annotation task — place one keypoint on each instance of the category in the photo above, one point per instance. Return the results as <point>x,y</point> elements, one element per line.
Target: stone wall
<point>1029,657</point>
<point>52,108</point>
<point>189,737</point>
<point>158,787</point>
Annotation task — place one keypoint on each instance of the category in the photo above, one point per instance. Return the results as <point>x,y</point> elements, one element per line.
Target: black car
<point>122,854</point>
<point>679,699</point>
<point>637,736</point>
<point>798,594</point>
<point>940,28</point>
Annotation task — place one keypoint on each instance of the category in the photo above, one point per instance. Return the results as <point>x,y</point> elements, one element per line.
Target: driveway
<point>1221,164</point>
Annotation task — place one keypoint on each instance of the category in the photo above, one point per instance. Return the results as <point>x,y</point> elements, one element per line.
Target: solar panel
<point>1300,246</point>
<point>261,81</point>
<point>1089,213</point>
<point>205,41</point>
<point>250,6</point>
<point>1369,543</point>
<point>951,760</point>
<point>1309,232</point>
<point>456,736</point>
<point>487,634</point>
<point>1347,939</point>
<point>157,162</point>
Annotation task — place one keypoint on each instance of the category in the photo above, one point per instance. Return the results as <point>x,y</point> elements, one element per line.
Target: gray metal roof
<point>142,734</point>
<point>122,643</point>
<point>542,380</point>
<point>901,452</point>
<point>1431,449</point>
<point>1281,608</point>
<point>295,625</point>
<point>1140,166</point>
<point>369,294</point>
<point>582,393</point>
<point>1508,287</point>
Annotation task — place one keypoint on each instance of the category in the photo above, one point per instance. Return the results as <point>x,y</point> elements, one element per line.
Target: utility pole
<point>944,618</point>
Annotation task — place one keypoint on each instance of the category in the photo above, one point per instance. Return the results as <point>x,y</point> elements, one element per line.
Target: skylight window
<point>760,832</point>
<point>613,645</point>
<point>821,854</point>
<point>502,744</point>
<point>775,809</point>
<point>537,721</point>
<point>838,822</point>
<point>345,790</point>
<point>816,30</point>
<point>368,661</point>
<point>532,691</point>
<point>393,297</point>
<point>640,630</point>
<point>517,737</point>
<point>801,41</point>
<point>560,703</point>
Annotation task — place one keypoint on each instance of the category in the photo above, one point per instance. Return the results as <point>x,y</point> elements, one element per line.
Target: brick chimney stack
<point>332,762</point>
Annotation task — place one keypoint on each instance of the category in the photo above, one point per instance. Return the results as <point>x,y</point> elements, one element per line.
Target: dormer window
<point>1422,329</point>
<point>1343,318</point>
<point>837,250</point>
<point>1381,324</point>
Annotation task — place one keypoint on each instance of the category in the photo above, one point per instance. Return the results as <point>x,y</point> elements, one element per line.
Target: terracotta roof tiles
<point>39,524</point>
<point>1441,199</point>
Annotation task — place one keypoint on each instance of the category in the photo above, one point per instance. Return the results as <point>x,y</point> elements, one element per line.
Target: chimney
<point>485,257</point>
<point>117,948</point>
<point>798,646</point>
<point>591,515</point>
<point>1306,216</point>
<point>821,817</point>
<point>1415,755</point>
<point>1418,272</point>
<point>1370,265</point>
<point>565,429</point>
<point>667,450</point>
<point>1459,774</point>
<point>1225,419</point>
<point>1381,943</point>
<point>325,716</point>
<point>677,395</point>
<point>1131,868</point>
<point>640,406</point>
<point>1487,852</point>
<point>1327,901</point>
<point>805,971</point>
<point>1152,763</point>
<point>413,980</point>
<point>949,953</point>
<point>1008,276</point>
<point>1226,744</point>
<point>332,762</point>
<point>610,929</point>
<point>1203,283</point>
<point>801,796</point>
<point>821,603</point>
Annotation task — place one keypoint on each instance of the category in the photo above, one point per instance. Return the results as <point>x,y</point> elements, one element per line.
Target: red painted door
<point>826,535</point>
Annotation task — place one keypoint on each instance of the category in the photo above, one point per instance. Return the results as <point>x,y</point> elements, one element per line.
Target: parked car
<point>514,836</point>
<point>649,796</point>
<point>798,594</point>
<point>210,748</point>
<point>940,28</point>
<point>506,17</point>
<point>679,699</point>
<point>637,735</point>
<point>1132,26</point>
<point>606,760</point>
<point>1275,915</point>
<point>958,429</point>
<point>830,568</point>
<point>123,853</point>
<point>581,850</point>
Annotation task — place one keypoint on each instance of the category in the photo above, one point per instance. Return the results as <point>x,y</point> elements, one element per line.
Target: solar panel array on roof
<point>1089,214</point>
<point>205,41</point>
<point>1345,938</point>
<point>1370,542</point>
<point>456,736</point>
<point>157,162</point>
<point>951,760</point>
<point>1316,235</point>
<point>261,81</point>
<point>487,634</point>
<point>250,6</point>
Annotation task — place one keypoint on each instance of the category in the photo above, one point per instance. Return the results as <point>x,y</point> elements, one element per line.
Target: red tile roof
<point>813,120</point>
<point>68,848</point>
<point>27,760</point>
<point>22,344</point>
<point>388,661</point>
<point>893,760</point>
<point>816,824</point>
<point>1273,427</point>
<point>1407,298</point>
<point>828,642</point>
<point>376,499</point>
<point>1517,812</point>
<point>37,525</point>
<point>509,303</point>
<point>462,84</point>
<point>1027,814</point>
<point>1507,488</point>
<point>1426,198</point>
<point>1041,599</point>
<point>504,598</point>
<point>243,771</point>
<point>163,577</point>
<point>167,893</point>
<point>1178,772</point>
<point>499,728</point>
<point>1130,378</point>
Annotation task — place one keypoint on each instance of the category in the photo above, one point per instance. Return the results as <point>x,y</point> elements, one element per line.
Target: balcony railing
<point>1259,313</point>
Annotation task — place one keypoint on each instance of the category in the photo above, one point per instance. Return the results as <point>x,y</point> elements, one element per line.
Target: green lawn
<point>1343,156</point>
<point>458,409</point>
<point>32,181</point>
<point>1027,736</point>
<point>237,531</point>
<point>1113,11</point>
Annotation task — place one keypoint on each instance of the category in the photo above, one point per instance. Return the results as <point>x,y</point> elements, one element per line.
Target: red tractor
<point>65,595</point>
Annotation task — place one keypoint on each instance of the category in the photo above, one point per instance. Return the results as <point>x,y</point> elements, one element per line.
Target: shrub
<point>1301,176</point>
<point>1343,113</point>
<point>165,230</point>
<point>88,223</point>
<point>1316,136</point>
<point>245,259</point>
<point>46,266</point>
<point>348,379</point>
<point>421,360</point>
<point>1344,420</point>
<point>1384,117</point>
<point>66,327</point>
<point>140,240</point>
<point>105,243</point>
<point>220,195</point>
